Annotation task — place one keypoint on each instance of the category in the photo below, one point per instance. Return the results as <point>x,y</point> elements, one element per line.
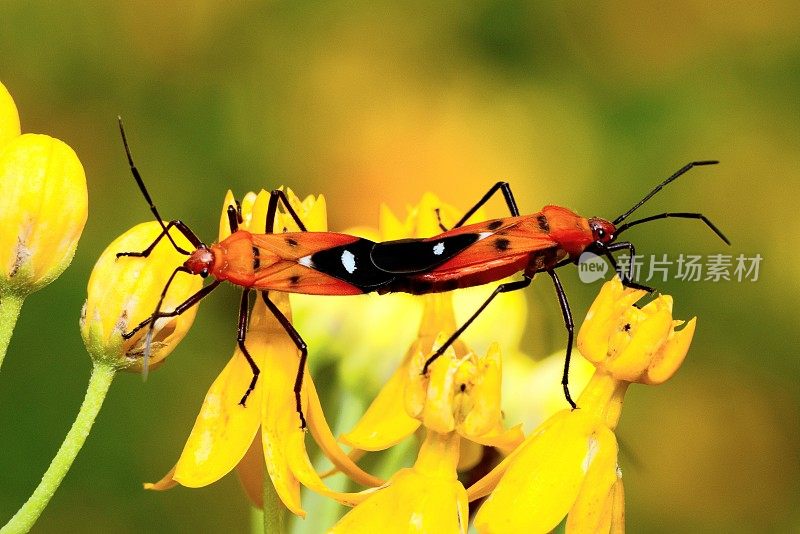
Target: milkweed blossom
<point>43,207</point>
<point>228,435</point>
<point>455,408</point>
<point>124,291</point>
<point>457,404</point>
<point>569,464</point>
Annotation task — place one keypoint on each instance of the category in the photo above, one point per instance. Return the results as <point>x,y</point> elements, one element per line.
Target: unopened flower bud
<point>124,291</point>
<point>43,208</point>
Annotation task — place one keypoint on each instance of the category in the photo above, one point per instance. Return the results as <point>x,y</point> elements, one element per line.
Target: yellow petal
<point>438,410</point>
<point>224,224</point>
<point>223,430</point>
<point>410,503</point>
<point>385,423</point>
<point>602,319</point>
<point>504,440</point>
<point>316,216</point>
<point>649,336</point>
<point>425,498</point>
<point>254,212</point>
<point>305,473</point>
<point>542,482</point>
<point>9,117</point>
<point>479,403</point>
<point>280,420</point>
<point>671,355</point>
<point>485,485</point>
<point>618,507</point>
<point>592,510</point>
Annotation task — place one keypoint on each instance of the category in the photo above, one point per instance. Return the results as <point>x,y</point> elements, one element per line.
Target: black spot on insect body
<point>502,244</point>
<point>627,327</point>
<point>294,279</point>
<point>544,226</point>
<point>494,225</point>
<point>256,258</point>
<point>291,242</point>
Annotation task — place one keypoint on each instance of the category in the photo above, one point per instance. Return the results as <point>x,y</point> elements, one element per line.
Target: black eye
<point>204,273</point>
<point>601,233</point>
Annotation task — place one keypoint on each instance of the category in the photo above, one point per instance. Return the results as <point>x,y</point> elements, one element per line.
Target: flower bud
<point>42,210</point>
<point>124,291</point>
<point>634,344</point>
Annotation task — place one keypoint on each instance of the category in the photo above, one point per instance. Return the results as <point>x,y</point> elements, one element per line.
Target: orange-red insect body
<point>485,252</point>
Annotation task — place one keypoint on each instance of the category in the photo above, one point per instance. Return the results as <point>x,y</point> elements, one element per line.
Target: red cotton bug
<point>317,263</point>
<point>481,253</point>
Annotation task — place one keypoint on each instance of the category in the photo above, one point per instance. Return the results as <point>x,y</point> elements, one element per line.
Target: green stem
<point>26,516</point>
<point>256,520</point>
<point>10,305</point>
<point>276,515</point>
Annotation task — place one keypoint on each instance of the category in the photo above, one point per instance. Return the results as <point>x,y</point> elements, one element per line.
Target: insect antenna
<point>700,216</point>
<point>659,187</point>
<point>196,241</point>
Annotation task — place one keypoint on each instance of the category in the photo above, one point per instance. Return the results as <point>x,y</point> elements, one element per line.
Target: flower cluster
<point>566,467</point>
<point>227,435</point>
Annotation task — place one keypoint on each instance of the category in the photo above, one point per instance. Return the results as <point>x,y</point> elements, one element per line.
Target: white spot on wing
<point>348,261</point>
<point>438,248</point>
<point>305,261</point>
<point>484,235</point>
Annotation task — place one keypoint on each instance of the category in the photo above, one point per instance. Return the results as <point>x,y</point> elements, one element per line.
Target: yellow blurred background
<point>369,102</point>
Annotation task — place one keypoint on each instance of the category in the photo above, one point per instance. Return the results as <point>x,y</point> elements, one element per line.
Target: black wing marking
<point>352,264</point>
<point>407,256</point>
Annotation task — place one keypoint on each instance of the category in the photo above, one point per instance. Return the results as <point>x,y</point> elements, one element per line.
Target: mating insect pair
<point>329,263</point>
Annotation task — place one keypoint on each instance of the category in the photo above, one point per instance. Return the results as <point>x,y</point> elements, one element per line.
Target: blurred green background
<point>583,106</point>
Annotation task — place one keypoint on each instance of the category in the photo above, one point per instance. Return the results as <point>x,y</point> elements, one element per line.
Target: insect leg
<point>502,288</point>
<point>565,311</point>
<point>681,215</point>
<point>272,208</point>
<point>138,177</point>
<point>301,346</point>
<point>179,309</point>
<point>193,239</point>
<point>627,279</point>
<point>234,218</point>
<point>240,338</point>
<point>507,194</point>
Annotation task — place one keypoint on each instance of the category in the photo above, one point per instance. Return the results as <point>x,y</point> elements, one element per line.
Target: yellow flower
<point>406,401</point>
<point>43,206</point>
<point>425,498</point>
<point>569,464</point>
<point>633,344</point>
<point>460,398</point>
<point>225,431</point>
<point>123,292</point>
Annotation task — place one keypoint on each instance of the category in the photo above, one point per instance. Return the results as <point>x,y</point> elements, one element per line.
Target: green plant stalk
<point>99,383</point>
<point>10,305</point>
<point>276,515</point>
